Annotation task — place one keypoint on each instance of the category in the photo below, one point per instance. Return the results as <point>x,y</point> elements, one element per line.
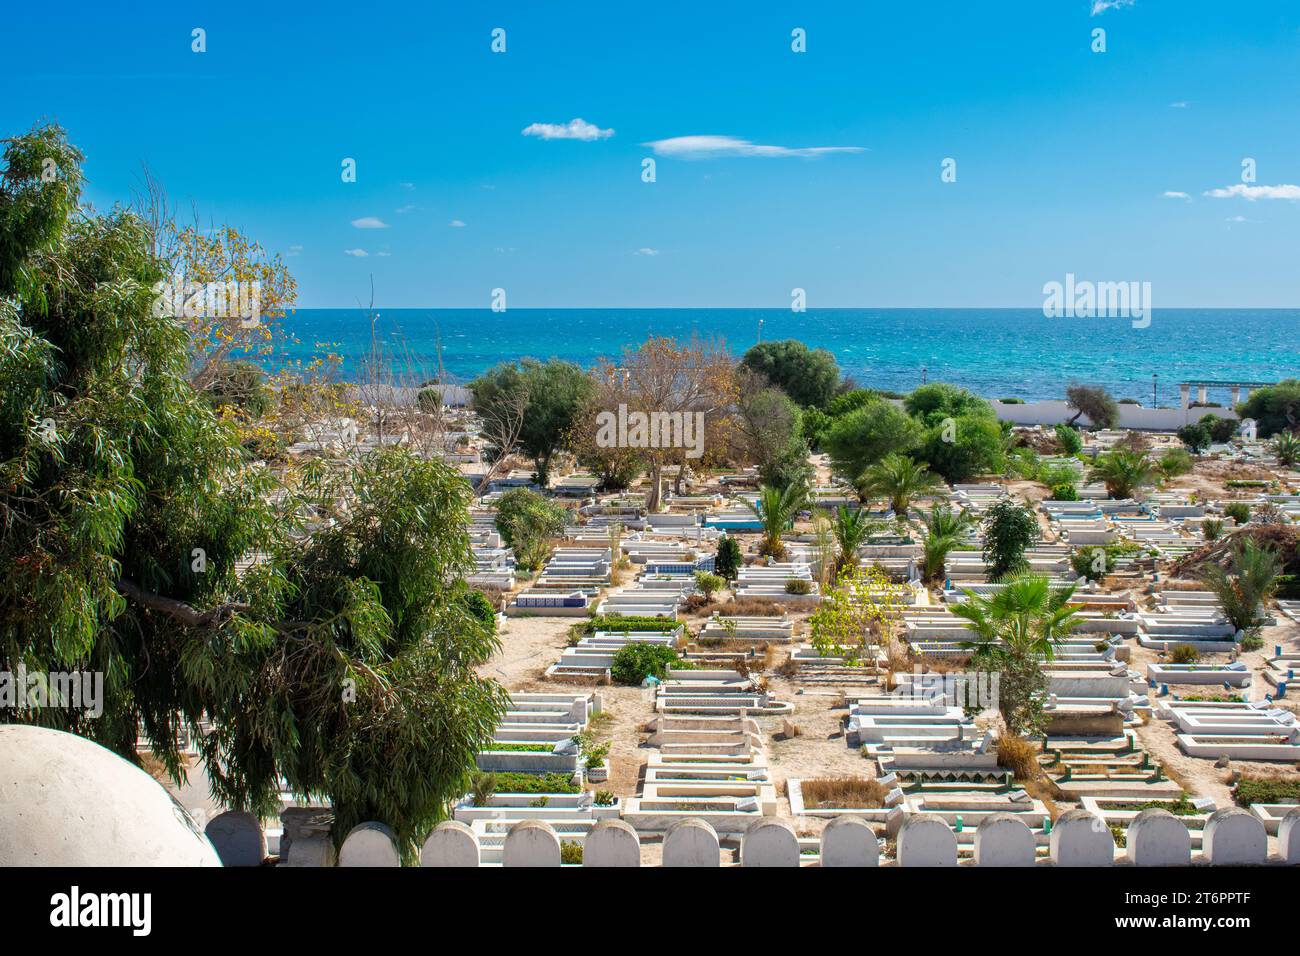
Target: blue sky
<point>1064,156</point>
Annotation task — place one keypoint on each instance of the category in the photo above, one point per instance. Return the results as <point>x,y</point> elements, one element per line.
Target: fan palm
<point>1027,615</point>
<point>776,509</point>
<point>1123,472</point>
<point>898,479</point>
<point>1015,631</point>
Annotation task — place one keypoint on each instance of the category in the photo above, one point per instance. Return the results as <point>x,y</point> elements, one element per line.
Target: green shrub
<point>729,559</point>
<point>1012,401</point>
<point>571,852</point>
<point>708,584</point>
<point>515,782</point>
<point>636,661</point>
<point>617,622</point>
<point>798,586</point>
<point>1238,511</point>
<point>1195,436</point>
<point>1065,492</point>
<point>1070,439</point>
<point>1092,562</point>
<point>1273,407</point>
<point>1184,654</point>
<point>1251,790</point>
<point>604,798</point>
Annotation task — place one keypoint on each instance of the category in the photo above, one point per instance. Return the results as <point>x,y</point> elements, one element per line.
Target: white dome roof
<point>67,801</point>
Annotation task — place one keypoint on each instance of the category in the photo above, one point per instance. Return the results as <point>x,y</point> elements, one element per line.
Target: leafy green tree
<point>964,447</point>
<point>1196,436</point>
<point>898,479</point>
<point>1070,439</point>
<point>776,508</point>
<point>938,401</point>
<point>1275,408</point>
<point>767,431</point>
<point>729,559</point>
<point>1009,530</point>
<point>138,541</point>
<point>555,393</point>
<point>809,376</point>
<point>527,522</point>
<point>864,436</point>
<point>1222,430</point>
<point>1017,629</point>
<point>1124,473</point>
<point>1094,402</point>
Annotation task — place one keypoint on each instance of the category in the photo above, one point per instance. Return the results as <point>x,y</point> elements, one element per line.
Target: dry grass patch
<point>1019,756</point>
<point>843,793</point>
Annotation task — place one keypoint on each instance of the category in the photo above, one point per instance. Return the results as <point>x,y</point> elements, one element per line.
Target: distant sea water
<point>996,353</point>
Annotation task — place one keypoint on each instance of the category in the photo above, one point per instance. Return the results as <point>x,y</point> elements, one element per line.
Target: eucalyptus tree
<point>318,630</point>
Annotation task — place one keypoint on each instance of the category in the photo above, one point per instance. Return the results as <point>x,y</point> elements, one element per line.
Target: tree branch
<point>179,610</point>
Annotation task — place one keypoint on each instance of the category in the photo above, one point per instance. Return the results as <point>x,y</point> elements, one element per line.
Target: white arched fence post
<point>849,841</point>
<point>451,843</point>
<point>369,844</point>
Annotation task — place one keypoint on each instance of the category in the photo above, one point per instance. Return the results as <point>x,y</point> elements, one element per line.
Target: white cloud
<point>294,251</point>
<point>1236,219</point>
<point>1101,6</point>
<point>1243,191</point>
<point>369,222</point>
<point>708,147</point>
<point>1174,194</point>
<point>647,251</point>
<point>407,185</point>
<point>403,210</point>
<point>456,223</point>
<point>1180,105</point>
<point>358,253</point>
<point>574,129</point>
<point>383,255</point>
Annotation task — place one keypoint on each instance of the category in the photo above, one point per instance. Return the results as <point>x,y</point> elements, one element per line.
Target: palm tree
<point>1123,472</point>
<point>1015,631</point>
<point>944,530</point>
<point>1286,446</point>
<point>897,479</point>
<point>1250,581</point>
<point>776,508</point>
<point>851,529</point>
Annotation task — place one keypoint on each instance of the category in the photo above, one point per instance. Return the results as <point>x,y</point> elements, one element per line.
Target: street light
<point>1155,403</point>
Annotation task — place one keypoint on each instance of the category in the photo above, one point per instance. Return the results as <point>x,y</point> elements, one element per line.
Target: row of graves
<point>927,748</point>
<point>537,769</point>
<point>708,763</point>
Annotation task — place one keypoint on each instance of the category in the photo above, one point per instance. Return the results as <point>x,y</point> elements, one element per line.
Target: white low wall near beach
<point>1130,416</point>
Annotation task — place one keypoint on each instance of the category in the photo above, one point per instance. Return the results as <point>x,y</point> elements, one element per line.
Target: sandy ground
<point>819,748</point>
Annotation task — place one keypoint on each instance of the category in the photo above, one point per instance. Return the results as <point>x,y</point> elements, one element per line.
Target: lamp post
<point>1155,403</point>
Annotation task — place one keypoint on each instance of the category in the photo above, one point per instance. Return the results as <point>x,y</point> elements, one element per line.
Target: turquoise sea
<point>994,352</point>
